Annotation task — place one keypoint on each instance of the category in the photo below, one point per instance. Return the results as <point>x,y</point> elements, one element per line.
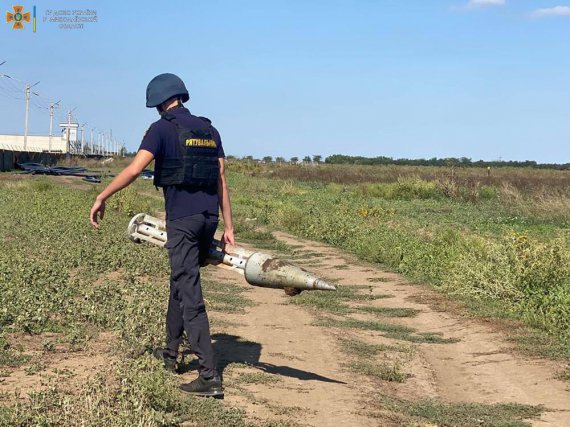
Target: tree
<point>280,160</point>
<point>307,159</point>
<point>267,159</point>
<point>294,160</point>
<point>317,158</point>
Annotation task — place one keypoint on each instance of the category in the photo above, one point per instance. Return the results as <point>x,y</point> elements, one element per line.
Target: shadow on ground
<point>234,349</point>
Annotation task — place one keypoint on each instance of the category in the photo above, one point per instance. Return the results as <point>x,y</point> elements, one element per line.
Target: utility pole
<point>83,138</point>
<point>68,131</point>
<point>26,119</point>
<point>91,151</point>
<point>51,108</point>
<point>28,91</point>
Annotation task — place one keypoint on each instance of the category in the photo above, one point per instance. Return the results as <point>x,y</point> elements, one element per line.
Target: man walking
<point>189,166</point>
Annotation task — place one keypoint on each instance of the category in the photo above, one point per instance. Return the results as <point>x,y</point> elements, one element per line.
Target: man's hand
<point>98,209</point>
<point>127,175</point>
<point>228,238</point>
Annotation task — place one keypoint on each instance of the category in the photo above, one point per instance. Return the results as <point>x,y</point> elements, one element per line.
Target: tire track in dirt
<point>480,367</point>
<point>312,385</point>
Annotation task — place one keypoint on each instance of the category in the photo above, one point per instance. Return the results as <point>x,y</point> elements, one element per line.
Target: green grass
<point>463,414</point>
<point>357,348</point>
<point>10,356</point>
<point>136,392</point>
<point>306,254</point>
<point>564,375</point>
<point>227,298</point>
<point>12,359</point>
<point>390,330</point>
<point>264,240</point>
<point>58,275</point>
<point>537,343</point>
<point>255,378</point>
<point>389,311</point>
<point>335,302</point>
<point>474,249</point>
<point>382,371</point>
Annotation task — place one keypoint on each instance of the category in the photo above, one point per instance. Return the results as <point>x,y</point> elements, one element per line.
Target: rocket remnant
<point>258,268</point>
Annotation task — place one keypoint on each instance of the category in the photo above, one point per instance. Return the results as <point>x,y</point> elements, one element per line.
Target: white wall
<point>35,143</point>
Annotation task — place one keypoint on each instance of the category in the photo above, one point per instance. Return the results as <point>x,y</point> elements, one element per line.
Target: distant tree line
<point>340,159</point>
<point>280,160</point>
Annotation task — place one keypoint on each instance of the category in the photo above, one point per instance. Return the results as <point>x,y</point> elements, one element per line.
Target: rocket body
<point>259,269</point>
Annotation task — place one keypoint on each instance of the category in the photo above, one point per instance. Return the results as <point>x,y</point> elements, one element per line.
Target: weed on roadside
<point>382,371</point>
<point>390,312</point>
<point>334,302</point>
<point>225,297</point>
<point>255,378</point>
<point>564,374</point>
<point>9,356</point>
<point>354,347</point>
<point>135,392</point>
<point>390,330</point>
<point>462,414</point>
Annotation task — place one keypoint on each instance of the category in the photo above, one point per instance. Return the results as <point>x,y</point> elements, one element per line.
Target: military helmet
<point>163,87</point>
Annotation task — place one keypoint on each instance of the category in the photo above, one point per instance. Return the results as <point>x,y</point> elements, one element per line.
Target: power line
<point>15,89</point>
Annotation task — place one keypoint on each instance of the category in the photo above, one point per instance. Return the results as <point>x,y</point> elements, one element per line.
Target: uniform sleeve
<point>218,138</point>
<point>151,140</point>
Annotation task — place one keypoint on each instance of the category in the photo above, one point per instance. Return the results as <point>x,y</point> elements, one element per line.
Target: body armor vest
<point>196,165</point>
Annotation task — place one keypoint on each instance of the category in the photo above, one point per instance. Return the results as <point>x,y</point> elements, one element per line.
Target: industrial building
<point>34,143</point>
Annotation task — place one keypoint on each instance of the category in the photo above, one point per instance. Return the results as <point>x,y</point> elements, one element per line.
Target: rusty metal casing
<point>258,268</point>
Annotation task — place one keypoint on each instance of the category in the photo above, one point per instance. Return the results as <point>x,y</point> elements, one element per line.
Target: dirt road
<point>295,371</point>
<point>384,355</point>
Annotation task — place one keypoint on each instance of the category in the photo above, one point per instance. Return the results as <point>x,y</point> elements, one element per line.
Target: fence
<point>9,159</point>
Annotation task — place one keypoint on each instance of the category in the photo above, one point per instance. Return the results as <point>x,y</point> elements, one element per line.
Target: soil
<point>312,384</point>
<point>279,366</point>
<point>78,365</point>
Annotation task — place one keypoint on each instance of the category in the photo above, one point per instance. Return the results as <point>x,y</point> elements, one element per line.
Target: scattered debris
<point>39,169</point>
<point>92,179</point>
<point>147,174</point>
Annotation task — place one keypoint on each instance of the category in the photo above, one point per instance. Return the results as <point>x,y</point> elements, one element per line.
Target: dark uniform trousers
<point>189,240</point>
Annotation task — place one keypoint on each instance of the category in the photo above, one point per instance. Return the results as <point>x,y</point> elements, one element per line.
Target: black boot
<point>166,356</point>
<point>211,387</point>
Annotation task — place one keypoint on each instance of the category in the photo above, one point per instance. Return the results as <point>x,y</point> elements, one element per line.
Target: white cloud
<point>551,11</point>
<point>475,4</point>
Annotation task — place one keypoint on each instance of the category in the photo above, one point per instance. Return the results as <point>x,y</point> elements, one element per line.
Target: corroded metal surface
<point>264,270</point>
<point>258,268</point>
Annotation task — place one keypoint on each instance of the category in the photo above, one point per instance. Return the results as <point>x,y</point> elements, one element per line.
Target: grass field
<point>500,247</point>
<point>65,284</point>
<point>498,242</point>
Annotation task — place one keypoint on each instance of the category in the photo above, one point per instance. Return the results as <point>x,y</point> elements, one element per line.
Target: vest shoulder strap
<point>170,118</point>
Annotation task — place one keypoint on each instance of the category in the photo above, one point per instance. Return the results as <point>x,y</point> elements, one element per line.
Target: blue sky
<point>485,79</point>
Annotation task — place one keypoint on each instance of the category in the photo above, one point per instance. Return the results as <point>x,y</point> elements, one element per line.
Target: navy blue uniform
<point>161,139</point>
<point>191,221</point>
